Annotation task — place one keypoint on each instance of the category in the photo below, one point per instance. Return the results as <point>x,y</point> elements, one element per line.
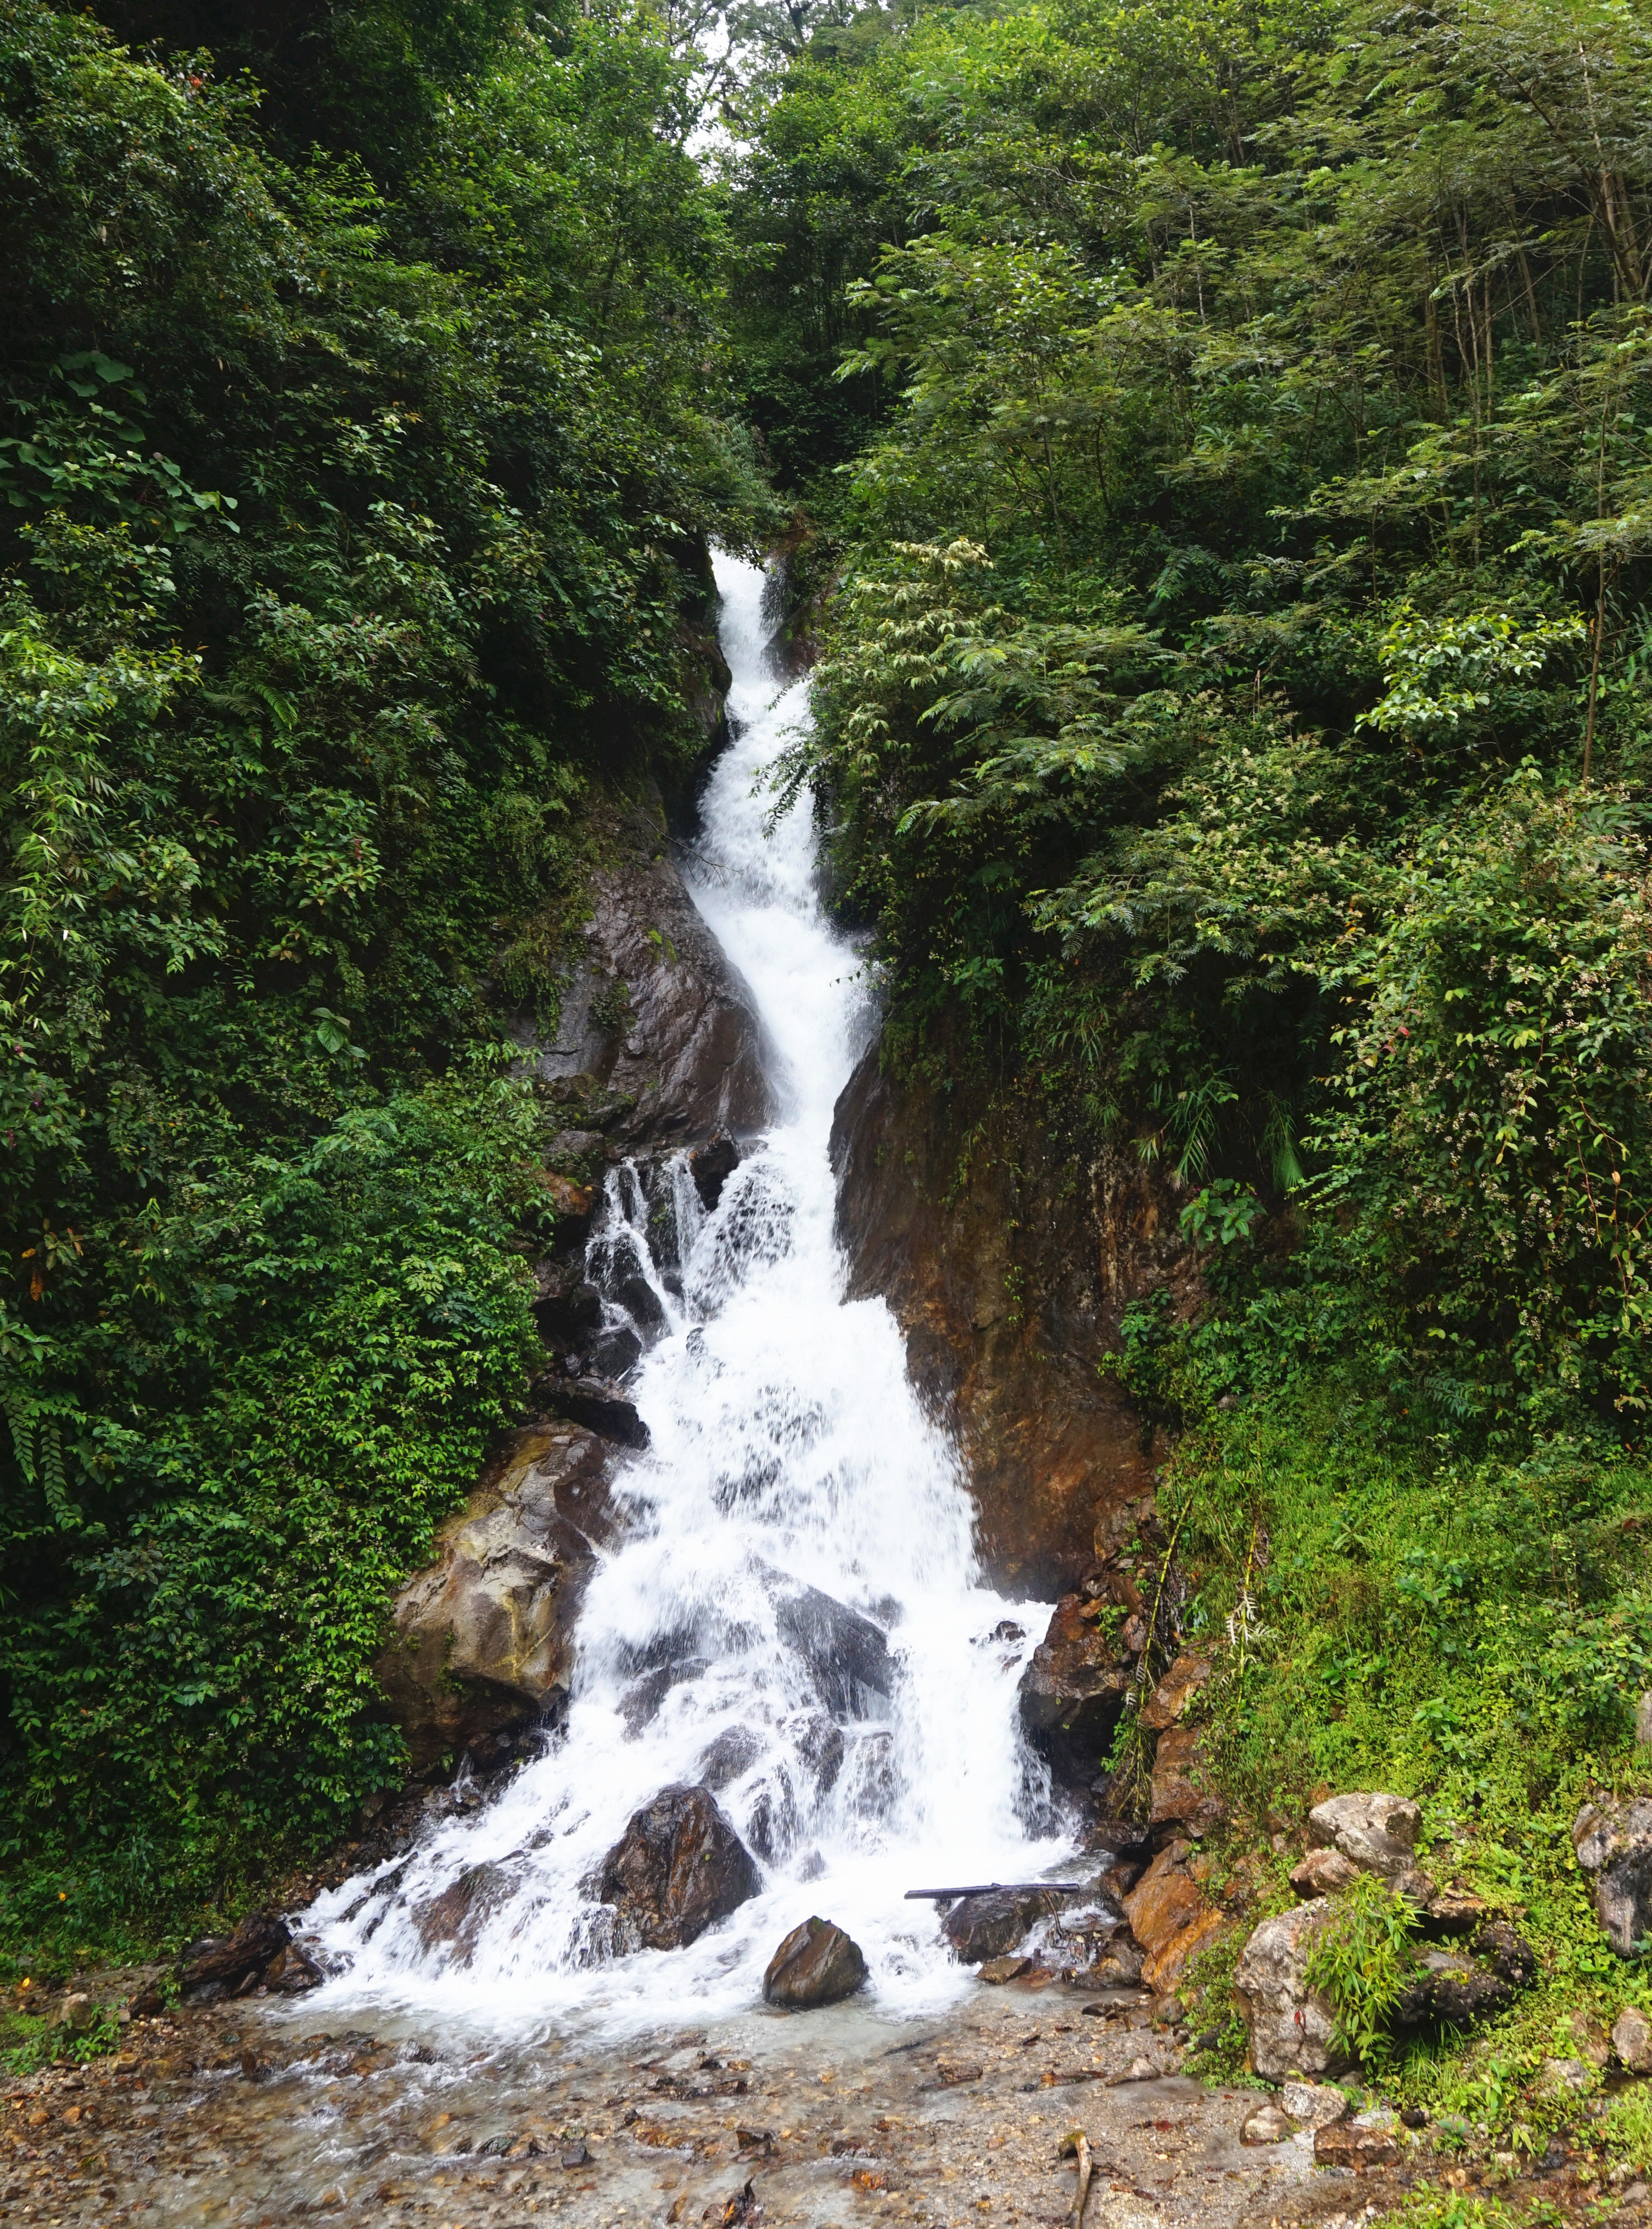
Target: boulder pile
<point>1466,1967</point>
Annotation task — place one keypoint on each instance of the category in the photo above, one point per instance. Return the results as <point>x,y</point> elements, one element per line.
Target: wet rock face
<point>653,1015</point>
<point>679,1869</point>
<point>987,1926</point>
<point>459,1914</point>
<point>1006,1289</point>
<point>1073,1690</point>
<point>1614,1845</point>
<point>482,1640</point>
<point>1089,1945</point>
<point>847,1655</point>
<point>816,1964</point>
<point>1169,1917</point>
<point>735,1750</point>
<point>598,1404</point>
<point>567,1311</point>
<point>712,1166</point>
<point>1292,2027</point>
<point>1178,1692</point>
<point>1184,1793</point>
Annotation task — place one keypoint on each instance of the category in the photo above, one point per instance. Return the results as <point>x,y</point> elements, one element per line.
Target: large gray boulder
<point>1292,2027</point>
<point>1632,2041</point>
<point>1374,1832</point>
<point>1613,1841</point>
<point>679,1869</point>
<point>482,1640</point>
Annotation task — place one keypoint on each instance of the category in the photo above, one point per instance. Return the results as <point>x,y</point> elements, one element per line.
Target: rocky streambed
<point>251,2113</point>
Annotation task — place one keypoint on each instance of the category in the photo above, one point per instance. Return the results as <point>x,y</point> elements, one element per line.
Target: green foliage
<point>35,2043</point>
<point>1458,2209</point>
<point>359,446</point>
<point>1469,1630</point>
<point>1359,1961</point>
<point>1627,2129</point>
<point>1221,1213</point>
<point>1244,568</point>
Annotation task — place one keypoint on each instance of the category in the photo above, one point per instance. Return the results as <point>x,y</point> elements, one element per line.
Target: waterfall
<point>792,1612</point>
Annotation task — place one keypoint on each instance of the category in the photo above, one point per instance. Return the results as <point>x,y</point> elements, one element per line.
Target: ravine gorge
<point>827,1053</point>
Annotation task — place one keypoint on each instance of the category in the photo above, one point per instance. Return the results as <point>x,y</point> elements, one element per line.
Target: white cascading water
<point>788,1453</point>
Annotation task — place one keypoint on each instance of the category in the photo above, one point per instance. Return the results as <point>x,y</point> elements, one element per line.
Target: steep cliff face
<point>1008,1272</point>
<point>653,1014</point>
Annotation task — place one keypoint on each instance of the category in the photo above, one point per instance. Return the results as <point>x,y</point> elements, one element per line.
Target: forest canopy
<point>1234,720</point>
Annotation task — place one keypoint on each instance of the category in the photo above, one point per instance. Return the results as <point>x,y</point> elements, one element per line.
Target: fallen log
<point>987,1888</point>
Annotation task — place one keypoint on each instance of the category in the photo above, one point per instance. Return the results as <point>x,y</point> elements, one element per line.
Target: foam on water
<point>788,1453</point>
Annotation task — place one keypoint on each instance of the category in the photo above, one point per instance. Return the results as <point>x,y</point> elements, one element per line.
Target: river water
<point>794,1591</point>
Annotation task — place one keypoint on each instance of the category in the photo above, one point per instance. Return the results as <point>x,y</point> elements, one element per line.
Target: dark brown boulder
<point>1073,1691</point>
<point>987,1926</point>
<point>291,1972</point>
<point>598,1404</point>
<point>679,1867</point>
<point>1347,2143</point>
<point>712,1166</point>
<point>1508,1954</point>
<point>1455,1988</point>
<point>567,1309</point>
<point>482,1641</point>
<point>816,1964</point>
<point>458,1915</point>
<point>217,1965</point>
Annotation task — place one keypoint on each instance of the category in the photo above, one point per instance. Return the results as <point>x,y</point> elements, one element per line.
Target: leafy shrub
<point>1489,1124</point>
<point>1627,2129</point>
<point>1358,1961</point>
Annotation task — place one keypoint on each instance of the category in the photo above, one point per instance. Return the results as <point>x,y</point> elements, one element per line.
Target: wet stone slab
<point>237,2118</point>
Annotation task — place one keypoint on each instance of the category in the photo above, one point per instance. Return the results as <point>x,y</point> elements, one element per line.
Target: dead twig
<point>1076,2143</point>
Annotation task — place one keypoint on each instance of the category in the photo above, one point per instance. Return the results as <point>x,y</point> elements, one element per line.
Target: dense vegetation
<point>1239,511</point>
<point>360,449</point>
